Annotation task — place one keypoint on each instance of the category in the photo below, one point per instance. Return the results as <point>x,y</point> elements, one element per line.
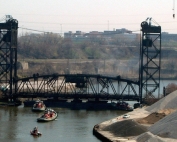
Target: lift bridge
<point>77,86</point>
<point>81,86</point>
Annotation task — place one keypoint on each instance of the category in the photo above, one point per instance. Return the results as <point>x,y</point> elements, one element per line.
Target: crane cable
<point>173,8</point>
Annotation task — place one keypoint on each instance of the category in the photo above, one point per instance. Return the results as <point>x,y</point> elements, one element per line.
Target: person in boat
<point>46,114</point>
<point>35,105</point>
<point>35,130</point>
<point>42,104</point>
<point>51,113</point>
<point>39,104</point>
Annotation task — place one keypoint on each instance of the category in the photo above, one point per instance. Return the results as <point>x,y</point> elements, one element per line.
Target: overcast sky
<point>89,15</point>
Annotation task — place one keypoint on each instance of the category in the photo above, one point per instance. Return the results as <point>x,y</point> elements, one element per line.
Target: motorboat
<point>39,106</point>
<point>49,115</point>
<point>35,132</point>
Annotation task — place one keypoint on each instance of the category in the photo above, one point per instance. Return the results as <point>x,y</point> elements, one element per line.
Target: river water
<point>70,126</point>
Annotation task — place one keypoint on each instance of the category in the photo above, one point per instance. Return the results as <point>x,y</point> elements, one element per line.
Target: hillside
<point>50,53</point>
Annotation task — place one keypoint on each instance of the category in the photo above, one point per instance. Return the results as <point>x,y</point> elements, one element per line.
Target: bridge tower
<point>150,59</point>
<point>8,53</point>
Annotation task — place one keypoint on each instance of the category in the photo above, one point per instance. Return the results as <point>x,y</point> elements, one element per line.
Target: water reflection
<point>71,125</point>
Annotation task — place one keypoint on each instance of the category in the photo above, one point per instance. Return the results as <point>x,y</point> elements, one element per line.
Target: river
<point>70,126</point>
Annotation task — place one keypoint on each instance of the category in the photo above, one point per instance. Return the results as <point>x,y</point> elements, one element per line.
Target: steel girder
<point>77,86</point>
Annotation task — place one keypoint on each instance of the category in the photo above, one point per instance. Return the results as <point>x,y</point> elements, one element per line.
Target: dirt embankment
<point>127,129</point>
<point>134,127</point>
<point>155,116</point>
<point>153,123</point>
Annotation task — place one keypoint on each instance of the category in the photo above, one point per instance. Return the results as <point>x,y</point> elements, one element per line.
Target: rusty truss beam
<point>77,86</point>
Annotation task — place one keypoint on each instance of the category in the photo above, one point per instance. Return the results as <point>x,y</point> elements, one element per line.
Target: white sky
<point>89,15</point>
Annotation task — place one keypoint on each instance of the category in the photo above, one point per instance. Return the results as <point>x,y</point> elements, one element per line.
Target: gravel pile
<point>160,123</point>
<point>165,127</point>
<point>149,137</point>
<point>168,102</point>
<point>125,128</point>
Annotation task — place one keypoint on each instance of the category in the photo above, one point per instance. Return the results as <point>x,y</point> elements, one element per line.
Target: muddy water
<point>70,126</point>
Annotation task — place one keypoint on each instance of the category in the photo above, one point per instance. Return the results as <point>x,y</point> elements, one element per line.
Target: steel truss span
<point>77,86</point>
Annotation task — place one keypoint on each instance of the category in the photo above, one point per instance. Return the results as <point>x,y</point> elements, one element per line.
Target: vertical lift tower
<point>150,60</point>
<point>8,54</point>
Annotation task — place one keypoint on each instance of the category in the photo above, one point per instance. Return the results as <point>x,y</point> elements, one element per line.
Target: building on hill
<point>108,35</point>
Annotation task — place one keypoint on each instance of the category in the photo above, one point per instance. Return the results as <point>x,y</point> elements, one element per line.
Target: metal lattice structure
<point>81,86</point>
<point>150,59</point>
<point>77,86</point>
<point>8,53</point>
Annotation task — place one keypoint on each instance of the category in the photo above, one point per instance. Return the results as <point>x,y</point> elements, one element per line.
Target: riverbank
<point>132,129</point>
<point>122,129</point>
<point>152,123</point>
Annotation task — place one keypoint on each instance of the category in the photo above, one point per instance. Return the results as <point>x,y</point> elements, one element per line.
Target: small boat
<point>35,134</point>
<point>48,115</point>
<point>39,106</point>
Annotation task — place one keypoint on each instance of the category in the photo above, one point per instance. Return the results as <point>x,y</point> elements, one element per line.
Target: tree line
<point>53,46</point>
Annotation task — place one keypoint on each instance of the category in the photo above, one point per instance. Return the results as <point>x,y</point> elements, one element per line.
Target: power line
<point>42,31</point>
<point>87,15</point>
<point>92,23</point>
<point>35,30</point>
<point>76,23</point>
